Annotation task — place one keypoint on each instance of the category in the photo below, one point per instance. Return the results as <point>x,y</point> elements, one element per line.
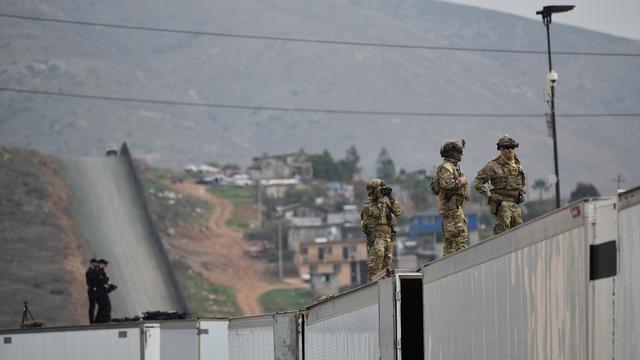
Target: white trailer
<point>266,337</point>
<point>380,320</point>
<point>98,342</point>
<point>145,340</point>
<point>213,339</point>
<point>170,340</point>
<point>544,290</point>
<point>627,284</point>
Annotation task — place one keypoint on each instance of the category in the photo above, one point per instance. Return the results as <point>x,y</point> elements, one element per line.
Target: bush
<point>285,299</point>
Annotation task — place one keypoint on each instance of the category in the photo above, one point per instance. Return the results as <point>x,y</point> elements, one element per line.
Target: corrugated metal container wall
<point>286,336</point>
<point>251,338</point>
<point>78,343</point>
<point>627,298</point>
<point>178,340</point>
<point>520,295</point>
<point>344,328</point>
<point>214,342</point>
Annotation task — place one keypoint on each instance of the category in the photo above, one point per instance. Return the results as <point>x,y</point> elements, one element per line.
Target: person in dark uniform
<point>91,277</point>
<point>102,291</point>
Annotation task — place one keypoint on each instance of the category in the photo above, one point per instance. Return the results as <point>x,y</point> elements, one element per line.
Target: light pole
<point>552,77</point>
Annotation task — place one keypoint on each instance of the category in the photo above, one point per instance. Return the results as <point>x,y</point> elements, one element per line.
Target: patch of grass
<point>155,177</point>
<point>203,298</point>
<point>239,224</point>
<point>285,299</point>
<point>234,194</point>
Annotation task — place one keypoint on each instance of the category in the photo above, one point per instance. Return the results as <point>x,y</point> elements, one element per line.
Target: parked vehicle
<point>111,150</point>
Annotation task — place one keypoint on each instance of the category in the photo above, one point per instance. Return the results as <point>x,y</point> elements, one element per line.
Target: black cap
<point>93,260</point>
<point>103,261</point>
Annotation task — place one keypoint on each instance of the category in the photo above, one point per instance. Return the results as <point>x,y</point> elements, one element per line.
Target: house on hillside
<point>285,166</point>
<point>334,255</point>
<point>350,214</point>
<point>277,188</point>
<point>300,214</point>
<point>332,266</point>
<point>338,190</point>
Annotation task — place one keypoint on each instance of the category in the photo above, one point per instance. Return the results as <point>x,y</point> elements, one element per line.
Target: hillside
<point>203,231</point>
<point>40,259</point>
<point>250,72</point>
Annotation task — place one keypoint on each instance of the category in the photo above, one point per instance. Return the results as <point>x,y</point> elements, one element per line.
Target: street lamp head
<point>553,9</point>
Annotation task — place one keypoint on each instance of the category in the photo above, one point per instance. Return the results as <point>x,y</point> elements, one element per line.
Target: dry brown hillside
<point>40,258</point>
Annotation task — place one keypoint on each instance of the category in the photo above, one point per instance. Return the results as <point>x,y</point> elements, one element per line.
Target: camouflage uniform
<point>378,217</point>
<point>452,194</point>
<point>508,181</point>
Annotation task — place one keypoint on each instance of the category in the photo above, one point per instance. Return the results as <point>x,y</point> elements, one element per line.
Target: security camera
<point>552,77</point>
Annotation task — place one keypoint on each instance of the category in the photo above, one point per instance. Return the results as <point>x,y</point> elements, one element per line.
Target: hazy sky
<point>616,17</point>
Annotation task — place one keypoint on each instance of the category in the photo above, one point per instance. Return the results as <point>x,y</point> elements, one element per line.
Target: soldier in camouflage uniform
<point>378,218</point>
<point>508,185</point>
<point>451,187</point>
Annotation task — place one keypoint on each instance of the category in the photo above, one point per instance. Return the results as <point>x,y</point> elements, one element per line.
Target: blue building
<point>425,231</point>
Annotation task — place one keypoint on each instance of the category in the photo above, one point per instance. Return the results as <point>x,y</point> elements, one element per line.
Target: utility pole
<point>620,180</point>
<point>552,77</point>
<point>259,203</point>
<point>280,249</point>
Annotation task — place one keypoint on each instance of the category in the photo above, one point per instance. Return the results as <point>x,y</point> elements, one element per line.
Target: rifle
<point>371,237</point>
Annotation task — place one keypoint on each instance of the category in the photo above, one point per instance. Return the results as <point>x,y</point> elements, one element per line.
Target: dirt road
<point>219,253</point>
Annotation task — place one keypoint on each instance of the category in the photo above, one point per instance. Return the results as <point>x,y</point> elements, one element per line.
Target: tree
<point>583,190</point>
<point>537,208</point>
<point>350,162</point>
<point>540,185</point>
<point>324,167</point>
<point>385,169</point>
<point>416,186</point>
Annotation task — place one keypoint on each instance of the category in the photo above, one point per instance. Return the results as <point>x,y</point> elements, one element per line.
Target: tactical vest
<point>379,213</point>
<point>456,175</point>
<point>507,177</point>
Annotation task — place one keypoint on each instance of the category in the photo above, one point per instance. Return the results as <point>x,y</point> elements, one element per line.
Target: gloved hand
<point>495,198</point>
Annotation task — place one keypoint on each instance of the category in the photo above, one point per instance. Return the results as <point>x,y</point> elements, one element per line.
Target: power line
<point>301,110</point>
<point>313,41</point>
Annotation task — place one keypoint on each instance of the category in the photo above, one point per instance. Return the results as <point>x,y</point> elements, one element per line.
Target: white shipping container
<point>380,320</point>
<point>147,340</point>
<point>543,290</point>
<point>627,285</point>
<point>99,342</point>
<point>170,340</point>
<point>213,339</point>
<point>266,337</point>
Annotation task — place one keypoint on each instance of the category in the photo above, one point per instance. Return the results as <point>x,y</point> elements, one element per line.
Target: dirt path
<point>219,253</point>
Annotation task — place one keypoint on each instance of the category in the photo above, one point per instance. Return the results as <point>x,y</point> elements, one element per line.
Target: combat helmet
<point>506,140</point>
<point>374,183</point>
<point>452,149</point>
